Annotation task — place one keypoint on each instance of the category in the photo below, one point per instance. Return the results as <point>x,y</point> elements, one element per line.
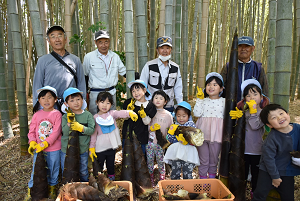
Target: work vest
<point>155,80</point>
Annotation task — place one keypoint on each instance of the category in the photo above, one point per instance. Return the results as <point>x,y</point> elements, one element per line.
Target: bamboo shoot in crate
<point>230,104</point>
<point>39,189</point>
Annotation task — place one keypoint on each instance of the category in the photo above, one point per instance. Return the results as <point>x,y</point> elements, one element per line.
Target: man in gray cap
<point>247,68</point>
<point>102,67</point>
<point>60,69</point>
<point>164,74</point>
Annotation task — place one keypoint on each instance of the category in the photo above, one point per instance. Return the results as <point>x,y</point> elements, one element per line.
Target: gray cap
<point>101,34</point>
<point>247,40</point>
<point>164,40</point>
<point>54,28</point>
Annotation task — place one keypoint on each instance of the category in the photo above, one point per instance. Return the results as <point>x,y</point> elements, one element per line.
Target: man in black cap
<point>102,67</point>
<point>60,69</point>
<point>162,73</point>
<point>247,68</point>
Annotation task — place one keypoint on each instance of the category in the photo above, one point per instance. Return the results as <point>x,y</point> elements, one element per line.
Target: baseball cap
<point>54,28</point>
<point>164,40</point>
<point>101,34</point>
<point>47,88</point>
<point>247,40</point>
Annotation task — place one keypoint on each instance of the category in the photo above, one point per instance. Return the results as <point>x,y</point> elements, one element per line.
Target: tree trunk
<point>162,18</point>
<point>20,76</point>
<point>104,11</point>
<point>184,66</point>
<point>5,119</point>
<point>96,16</point>
<point>141,34</point>
<point>152,30</point>
<point>201,73</point>
<point>129,46</point>
<point>294,56</point>
<point>68,22</point>
<point>177,53</point>
<point>168,18</point>
<point>271,46</point>
<point>43,20</point>
<point>29,60</point>
<point>283,52</point>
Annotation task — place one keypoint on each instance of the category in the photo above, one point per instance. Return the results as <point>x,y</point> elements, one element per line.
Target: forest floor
<point>15,169</point>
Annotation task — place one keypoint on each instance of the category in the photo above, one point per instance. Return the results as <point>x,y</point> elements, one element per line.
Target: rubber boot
<point>111,177</point>
<point>52,192</point>
<point>162,177</point>
<point>152,179</point>
<point>203,177</point>
<point>28,196</point>
<point>212,176</point>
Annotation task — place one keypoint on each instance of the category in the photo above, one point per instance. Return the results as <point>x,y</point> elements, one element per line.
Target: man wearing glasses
<point>101,68</point>
<point>60,69</point>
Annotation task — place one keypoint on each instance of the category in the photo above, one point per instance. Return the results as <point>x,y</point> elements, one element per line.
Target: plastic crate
<point>125,184</point>
<point>213,187</point>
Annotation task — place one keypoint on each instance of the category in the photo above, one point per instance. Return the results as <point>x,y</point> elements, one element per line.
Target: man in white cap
<point>247,68</point>
<point>102,67</point>
<point>164,74</point>
<point>60,69</point>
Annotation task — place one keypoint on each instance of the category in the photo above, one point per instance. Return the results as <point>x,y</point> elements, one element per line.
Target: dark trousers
<point>252,161</point>
<point>109,157</point>
<point>264,185</point>
<point>187,169</point>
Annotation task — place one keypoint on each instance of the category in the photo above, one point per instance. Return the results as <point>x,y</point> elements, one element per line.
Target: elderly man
<point>247,68</point>
<point>60,69</point>
<point>102,67</point>
<point>162,73</point>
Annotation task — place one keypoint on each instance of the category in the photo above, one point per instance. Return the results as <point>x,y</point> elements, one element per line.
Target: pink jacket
<point>46,126</point>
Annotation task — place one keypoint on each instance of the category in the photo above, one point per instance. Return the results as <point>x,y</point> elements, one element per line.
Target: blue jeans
<point>52,162</point>
<point>83,169</point>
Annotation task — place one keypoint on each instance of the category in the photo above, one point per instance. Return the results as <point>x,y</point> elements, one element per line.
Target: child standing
<point>210,113</point>
<point>162,120</point>
<point>44,135</point>
<point>145,109</point>
<point>277,168</point>
<point>106,138</point>
<point>84,123</point>
<point>181,155</point>
<point>254,129</point>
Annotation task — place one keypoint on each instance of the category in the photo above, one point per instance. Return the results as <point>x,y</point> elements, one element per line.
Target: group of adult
<point>101,67</point>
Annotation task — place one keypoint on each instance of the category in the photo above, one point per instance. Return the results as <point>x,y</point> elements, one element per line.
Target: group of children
<point>269,161</point>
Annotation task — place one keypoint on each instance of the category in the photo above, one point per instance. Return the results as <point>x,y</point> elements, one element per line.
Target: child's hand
<point>155,127</point>
<point>296,161</point>
<point>130,106</point>
<point>31,148</point>
<point>142,112</point>
<point>92,153</point>
<point>70,117</point>
<point>276,182</point>
<point>133,115</point>
<point>75,126</point>
<point>181,139</point>
<point>235,114</point>
<point>40,147</point>
<point>172,129</point>
<point>200,93</point>
<point>252,106</point>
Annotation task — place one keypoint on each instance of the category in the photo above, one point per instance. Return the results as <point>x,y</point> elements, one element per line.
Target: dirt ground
<point>15,169</point>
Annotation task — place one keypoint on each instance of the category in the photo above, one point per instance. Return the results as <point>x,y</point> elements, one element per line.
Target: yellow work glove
<point>181,139</point>
<point>31,148</point>
<point>200,93</point>
<point>172,129</point>
<point>235,114</point>
<point>133,115</point>
<point>75,126</point>
<point>142,112</point>
<point>251,103</point>
<point>40,147</point>
<point>92,153</point>
<point>155,127</point>
<point>130,106</point>
<point>70,117</point>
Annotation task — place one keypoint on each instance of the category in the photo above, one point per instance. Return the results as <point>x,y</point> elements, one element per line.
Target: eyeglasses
<point>103,43</point>
<point>53,37</point>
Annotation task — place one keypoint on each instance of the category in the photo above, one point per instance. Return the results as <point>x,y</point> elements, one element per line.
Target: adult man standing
<point>51,68</point>
<point>162,73</point>
<point>247,68</point>
<point>102,67</point>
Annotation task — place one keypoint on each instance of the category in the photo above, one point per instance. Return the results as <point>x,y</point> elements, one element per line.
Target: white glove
<point>296,161</point>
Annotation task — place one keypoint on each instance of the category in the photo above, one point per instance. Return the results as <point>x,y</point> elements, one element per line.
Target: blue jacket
<point>276,158</point>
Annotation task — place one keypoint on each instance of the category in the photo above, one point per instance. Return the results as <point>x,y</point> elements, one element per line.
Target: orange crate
<point>213,187</point>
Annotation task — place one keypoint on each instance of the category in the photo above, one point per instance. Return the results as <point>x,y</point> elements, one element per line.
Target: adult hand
<point>276,182</point>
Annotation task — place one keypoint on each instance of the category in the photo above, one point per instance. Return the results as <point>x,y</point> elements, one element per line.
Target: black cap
<point>101,34</point>
<point>54,28</point>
